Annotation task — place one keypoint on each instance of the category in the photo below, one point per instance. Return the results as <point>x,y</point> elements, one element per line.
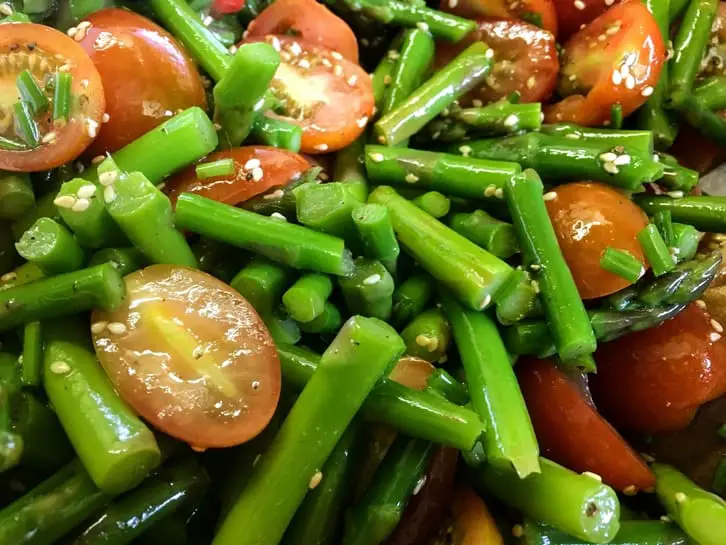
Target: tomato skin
<point>592,77</point>
<point>147,75</point>
<point>570,18</point>
<point>654,380</point>
<point>523,10</point>
<point>329,97</point>
<point>587,218</point>
<point>279,167</point>
<point>75,136</point>
<point>525,60</point>
<point>311,21</point>
<point>572,433</point>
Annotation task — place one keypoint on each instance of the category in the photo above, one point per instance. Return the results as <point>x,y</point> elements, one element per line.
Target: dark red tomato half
<point>616,59</point>
<point>540,13</point>
<point>328,96</point>
<point>257,169</point>
<point>572,15</point>
<point>525,60</point>
<point>654,381</point>
<point>310,21</point>
<point>45,52</point>
<point>147,75</point>
<point>572,433</point>
<point>588,217</point>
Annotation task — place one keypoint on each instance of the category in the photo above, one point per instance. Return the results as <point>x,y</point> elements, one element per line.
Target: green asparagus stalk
<point>433,203</point>
<point>496,119</point>
<point>375,230</point>
<point>124,260</point>
<point>410,298</point>
<point>641,140</point>
<point>51,247</point>
<point>305,299</point>
<point>702,212</point>
<point>640,532</point>
<point>417,51</point>
<point>262,283</point>
<point>329,321</point>
<point>427,336</point>
<point>349,169</point>
<point>495,236</point>
<point>368,291</point>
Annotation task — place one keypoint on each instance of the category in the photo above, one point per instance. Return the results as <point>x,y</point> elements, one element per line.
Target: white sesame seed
<point>549,196</point>
<point>277,194</point>
<point>610,168</point>
<point>59,368</point>
<point>486,302</point>
<point>92,128</point>
<point>362,122</point>
<point>420,484</point>
<point>477,103</point>
<point>573,136</point>
<point>81,205</point>
<point>315,480</point>
<point>675,194</point>
<point>465,150</point>
<point>65,201</point>
<point>278,216</point>
<point>592,475</point>
<point>411,178</point>
<point>352,80</point>
<point>680,497</point>
<point>716,325</point>
<point>252,164</point>
<point>109,194</point>
<point>422,26</point>
<point>321,147</point>
<point>630,490</point>
<point>617,78</point>
<point>304,64</point>
<point>257,174</point>
<point>714,337</point>
<point>98,159</point>
<point>117,328</point>
<point>647,91</point>
<point>337,56</point>
<point>630,82</point>
<point>622,160</point>
<point>393,55</point>
<point>49,138</point>
<point>608,157</point>
<point>338,70</point>
<point>108,178</point>
<point>295,48</point>
<point>453,3</point>
<point>499,193</point>
<point>609,2</point>
<point>9,277</point>
<point>700,303</point>
<point>489,54</point>
<point>106,118</point>
<point>579,4</point>
<point>72,31</point>
<point>376,157</point>
<point>372,279</point>
<point>275,42</point>
<point>86,191</point>
<point>98,327</point>
<point>511,120</point>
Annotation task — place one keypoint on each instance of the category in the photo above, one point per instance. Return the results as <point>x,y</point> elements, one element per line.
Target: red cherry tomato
<point>330,97</point>
<point>588,217</point>
<point>472,523</point>
<point>310,21</point>
<point>573,15</point>
<point>44,52</point>
<point>571,432</point>
<point>191,356</point>
<point>257,169</point>
<point>616,59</point>
<point>224,7</point>
<point>147,75</point>
<point>525,60</point>
<point>540,13</point>
<point>655,380</point>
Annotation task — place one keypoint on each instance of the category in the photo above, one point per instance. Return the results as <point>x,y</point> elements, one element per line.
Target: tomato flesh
<point>310,21</point>
<point>572,16</point>
<point>587,218</point>
<point>191,356</point>
<point>472,523</point>
<point>571,432</point>
<point>44,52</point>
<point>329,97</point>
<point>616,59</point>
<point>147,76</point>
<point>540,13</point>
<point>257,169</point>
<point>412,372</point>
<point>525,61</point>
<point>655,380</point>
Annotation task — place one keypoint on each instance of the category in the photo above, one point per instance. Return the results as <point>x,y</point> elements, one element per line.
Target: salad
<point>362,272</point>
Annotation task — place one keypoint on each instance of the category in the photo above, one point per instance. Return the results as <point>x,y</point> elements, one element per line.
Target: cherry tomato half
<point>573,15</point>
<point>525,60</point>
<point>540,13</point>
<point>257,169</point>
<point>328,96</point>
<point>310,21</point>
<point>191,356</point>
<point>147,76</point>
<point>588,217</point>
<point>655,380</point>
<point>616,59</point>
<point>572,433</point>
<point>44,52</point>
<point>472,523</point>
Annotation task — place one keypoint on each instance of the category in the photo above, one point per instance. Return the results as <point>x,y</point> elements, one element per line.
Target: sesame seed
<point>610,168</point>
<point>337,56</point>
<point>372,279</point>
<point>592,475</point>
<point>278,216</point>
<point>549,196</point>
<point>579,4</point>
<point>490,190</point>
<point>106,118</point>
<point>700,303</point>
<point>622,160</point>
<point>65,201</point>
<point>92,128</point>
<point>376,157</point>
<point>511,120</point>
<point>489,54</point>
<point>9,277</point>
<point>109,194</point>
<point>257,174</point>
<point>255,384</point>
<point>352,80</point>
<point>252,164</point>
<point>295,48</point>
<point>531,81</point>
<point>275,42</point>
<point>680,497</point>
<point>98,159</point>
<point>411,178</point>
<point>49,138</point>
<point>716,325</point>
<point>453,3</point>
<point>393,55</point>
<point>338,70</point>
<point>117,328</point>
<point>81,205</point>
<point>304,64</point>
<point>420,484</point>
<point>422,26</point>
<point>315,480</point>
<point>535,267</point>
<point>665,518</point>
<point>714,337</point>
<point>573,136</point>
<point>362,122</point>
<point>98,327</point>
<point>647,457</point>
<point>59,368</point>
<point>675,194</point>
<point>321,147</point>
<point>608,157</point>
<point>86,191</point>
<point>617,78</point>
<point>277,194</point>
<point>465,150</point>
<point>72,31</point>
<point>108,178</point>
<point>486,302</point>
<point>647,91</point>
<point>477,103</point>
<point>630,490</point>
<point>499,193</point>
<point>387,79</point>
<point>630,82</point>
<point>518,529</point>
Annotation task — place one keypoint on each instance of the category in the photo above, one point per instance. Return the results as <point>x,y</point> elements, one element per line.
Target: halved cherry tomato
<point>588,217</point>
<point>525,60</point>
<point>147,75</point>
<point>573,15</point>
<point>328,96</point>
<point>616,59</point>
<point>191,356</point>
<point>472,523</point>
<point>412,372</point>
<point>427,509</point>
<point>257,169</point>
<point>571,432</point>
<point>310,21</point>
<point>227,6</point>
<point>44,52</point>
<point>655,380</point>
<point>540,13</point>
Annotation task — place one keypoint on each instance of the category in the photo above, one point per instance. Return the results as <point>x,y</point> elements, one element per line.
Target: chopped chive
<point>719,478</point>
<point>223,167</point>
<point>622,263</point>
<point>616,117</point>
<point>62,96</point>
<point>722,431</point>
<point>31,93</point>
<point>656,251</point>
<point>663,220</point>
<point>11,145</point>
<point>26,126</point>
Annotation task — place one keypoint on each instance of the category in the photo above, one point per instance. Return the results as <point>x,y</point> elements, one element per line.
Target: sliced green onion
<point>26,126</point>
<point>62,97</point>
<point>663,220</point>
<point>719,478</point>
<point>11,145</point>
<point>31,93</point>
<point>616,117</point>
<point>655,250</point>
<point>622,263</point>
<point>223,167</point>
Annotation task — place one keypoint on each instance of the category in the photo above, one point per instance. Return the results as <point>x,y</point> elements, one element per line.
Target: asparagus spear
<point>417,51</point>
<point>50,246</point>
<point>124,260</point>
<point>496,119</point>
<point>640,532</point>
<point>262,283</point>
<point>375,229</point>
<point>427,336</point>
<point>702,212</point>
<point>305,299</point>
<point>410,299</point>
